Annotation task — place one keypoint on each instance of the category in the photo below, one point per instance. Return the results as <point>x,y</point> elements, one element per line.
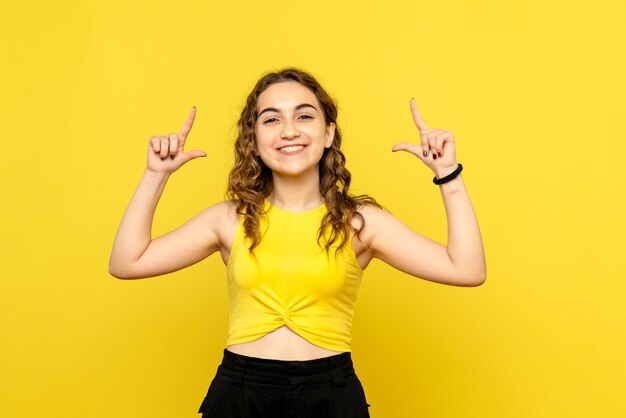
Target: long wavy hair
<point>250,180</point>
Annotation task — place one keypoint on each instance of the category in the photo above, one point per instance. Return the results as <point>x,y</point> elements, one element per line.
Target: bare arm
<point>135,254</point>
<point>465,244</point>
<point>462,261</point>
<point>134,233</point>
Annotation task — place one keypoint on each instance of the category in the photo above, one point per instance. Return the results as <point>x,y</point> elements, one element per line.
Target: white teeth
<point>291,148</point>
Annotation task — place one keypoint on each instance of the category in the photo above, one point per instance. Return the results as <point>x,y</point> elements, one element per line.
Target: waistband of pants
<point>334,369</point>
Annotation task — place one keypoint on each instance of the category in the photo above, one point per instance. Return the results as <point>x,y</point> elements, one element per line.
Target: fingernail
<point>434,157</point>
<point>424,153</point>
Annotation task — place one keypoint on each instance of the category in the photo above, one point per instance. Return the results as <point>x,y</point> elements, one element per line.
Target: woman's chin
<point>294,172</point>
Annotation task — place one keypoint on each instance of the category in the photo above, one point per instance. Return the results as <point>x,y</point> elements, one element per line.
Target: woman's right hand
<point>165,152</point>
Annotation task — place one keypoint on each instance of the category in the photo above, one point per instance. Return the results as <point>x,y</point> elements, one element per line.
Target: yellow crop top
<point>292,282</point>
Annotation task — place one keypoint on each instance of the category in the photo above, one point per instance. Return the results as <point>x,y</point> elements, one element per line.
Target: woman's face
<point>291,132</point>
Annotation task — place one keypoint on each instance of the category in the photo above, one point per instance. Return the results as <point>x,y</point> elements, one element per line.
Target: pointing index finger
<point>188,124</point>
<point>419,122</point>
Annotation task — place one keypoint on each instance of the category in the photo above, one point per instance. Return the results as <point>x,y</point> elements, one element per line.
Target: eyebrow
<point>273,109</point>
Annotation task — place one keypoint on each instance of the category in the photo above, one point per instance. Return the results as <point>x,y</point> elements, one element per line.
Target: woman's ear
<point>330,135</point>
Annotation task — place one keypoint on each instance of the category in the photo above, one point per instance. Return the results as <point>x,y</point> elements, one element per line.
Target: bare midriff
<point>281,344</point>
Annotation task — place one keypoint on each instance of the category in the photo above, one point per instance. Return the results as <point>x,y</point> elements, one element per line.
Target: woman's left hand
<point>437,149</point>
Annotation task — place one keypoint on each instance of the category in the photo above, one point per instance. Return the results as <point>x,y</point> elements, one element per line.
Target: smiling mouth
<point>291,148</point>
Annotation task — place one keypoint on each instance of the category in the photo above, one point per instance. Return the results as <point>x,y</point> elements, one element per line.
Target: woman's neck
<point>297,194</point>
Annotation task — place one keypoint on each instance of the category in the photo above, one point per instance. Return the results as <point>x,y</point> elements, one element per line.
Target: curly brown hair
<point>250,180</point>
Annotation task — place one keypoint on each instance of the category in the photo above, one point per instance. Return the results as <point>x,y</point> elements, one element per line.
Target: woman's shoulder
<point>223,212</point>
<point>222,219</point>
<point>227,209</point>
<point>367,214</point>
<point>369,210</point>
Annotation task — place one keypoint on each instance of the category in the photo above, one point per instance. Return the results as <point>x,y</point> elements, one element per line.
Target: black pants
<point>251,387</point>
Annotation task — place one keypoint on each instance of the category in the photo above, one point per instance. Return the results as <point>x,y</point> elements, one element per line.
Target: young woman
<point>295,243</point>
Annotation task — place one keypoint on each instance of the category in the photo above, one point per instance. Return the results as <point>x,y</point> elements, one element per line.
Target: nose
<point>289,130</point>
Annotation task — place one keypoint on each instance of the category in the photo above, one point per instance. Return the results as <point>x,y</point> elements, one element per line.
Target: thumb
<point>194,154</point>
<point>412,148</point>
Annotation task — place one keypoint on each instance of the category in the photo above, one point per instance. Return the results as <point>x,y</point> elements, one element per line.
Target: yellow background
<point>533,90</point>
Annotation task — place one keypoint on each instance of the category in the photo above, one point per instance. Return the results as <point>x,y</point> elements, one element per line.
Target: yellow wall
<point>533,91</point>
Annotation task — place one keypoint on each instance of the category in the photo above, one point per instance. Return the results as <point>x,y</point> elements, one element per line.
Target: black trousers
<point>251,387</point>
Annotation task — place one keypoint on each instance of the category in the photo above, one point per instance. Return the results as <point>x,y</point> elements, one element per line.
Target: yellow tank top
<point>292,282</point>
